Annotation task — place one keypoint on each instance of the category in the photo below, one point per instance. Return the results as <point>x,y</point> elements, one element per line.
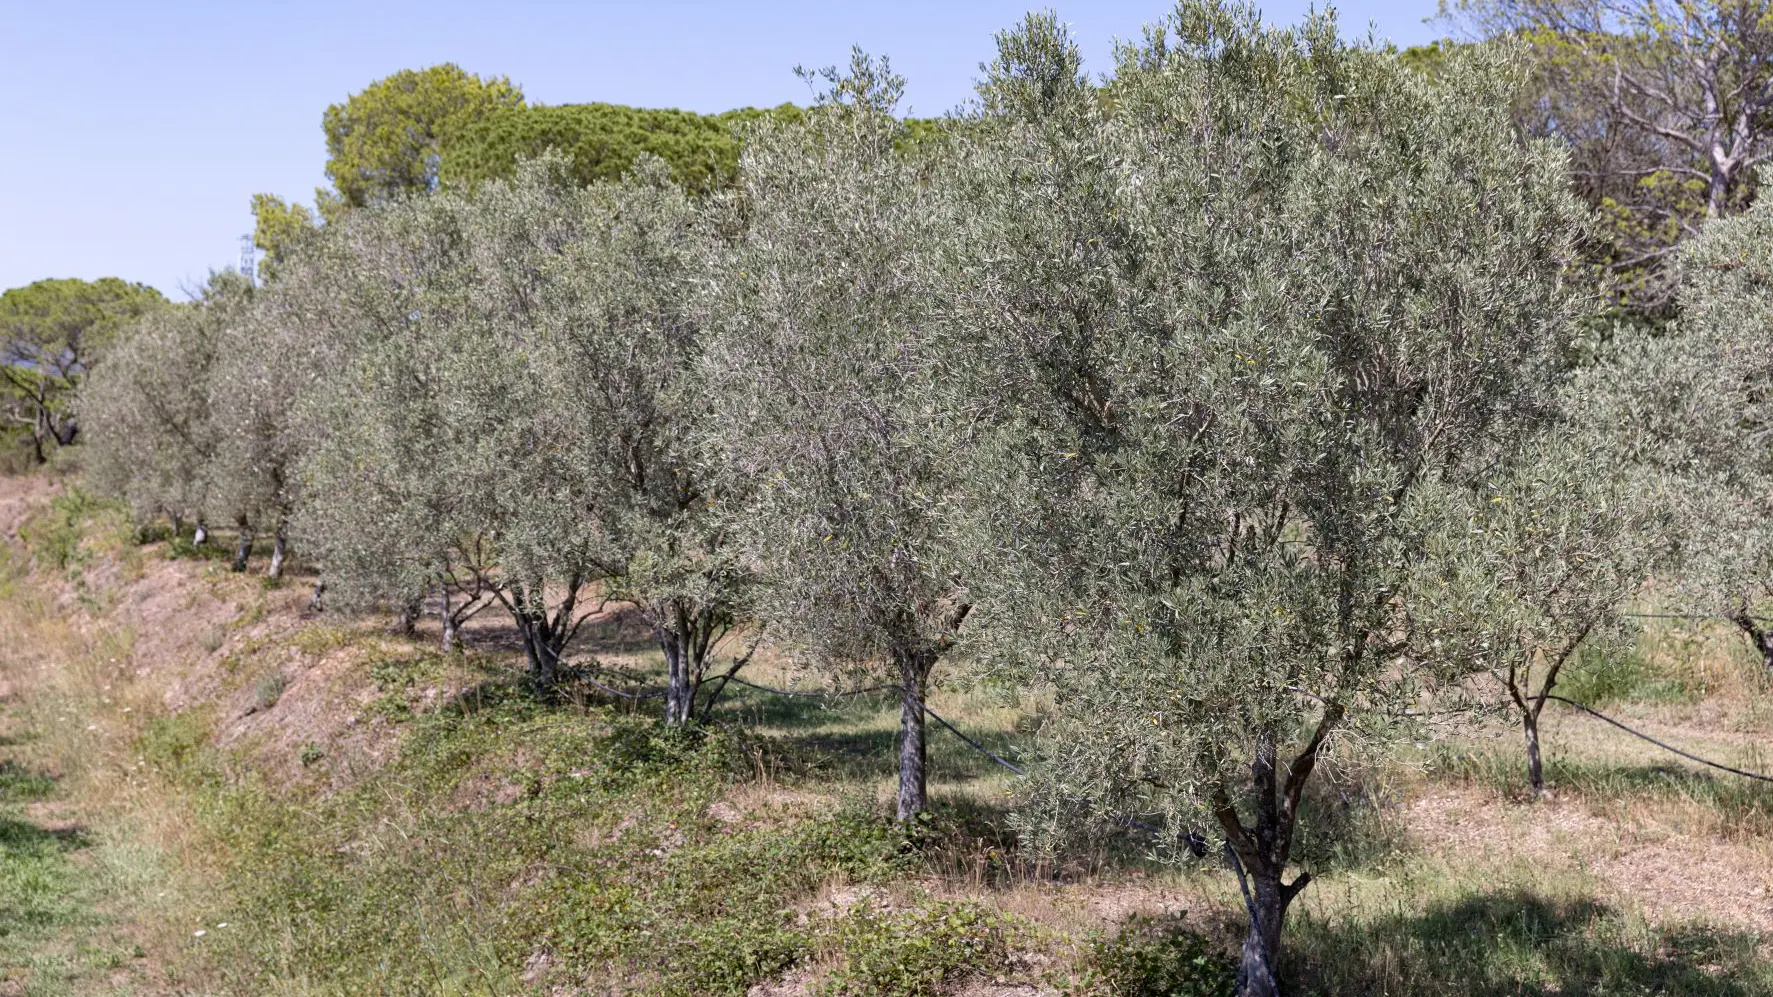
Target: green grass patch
<point>76,527</point>
<point>37,880</point>
<point>512,837</point>
<point>20,784</point>
<point>175,744</point>
<point>53,938</point>
<point>1743,808</point>
<point>1598,678</point>
<point>1154,956</point>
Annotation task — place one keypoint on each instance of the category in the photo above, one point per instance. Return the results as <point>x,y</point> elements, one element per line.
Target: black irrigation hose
<point>1661,744</point>
<point>1193,839</point>
<point>580,672</point>
<point>933,715</point>
<point>636,696</point>
<point>976,746</point>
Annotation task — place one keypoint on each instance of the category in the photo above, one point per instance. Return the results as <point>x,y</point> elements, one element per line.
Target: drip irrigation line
<point>933,715</point>
<point>1196,843</point>
<point>976,746</point>
<point>581,672</point>
<point>1661,744</point>
<point>636,696</point>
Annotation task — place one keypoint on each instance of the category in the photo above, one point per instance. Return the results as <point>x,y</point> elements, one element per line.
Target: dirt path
<point>55,933</point>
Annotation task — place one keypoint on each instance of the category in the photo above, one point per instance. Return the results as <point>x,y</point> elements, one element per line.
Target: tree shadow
<point>20,838</point>
<point>1663,778</point>
<point>758,708</point>
<point>20,784</point>
<point>618,631</point>
<point>829,738</point>
<point>1515,943</point>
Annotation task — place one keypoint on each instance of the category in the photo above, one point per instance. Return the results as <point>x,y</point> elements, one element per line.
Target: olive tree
<point>1250,310</point>
<point>822,367</point>
<point>510,418</point>
<point>1692,405</point>
<point>1540,560</point>
<point>600,290</point>
<point>149,431</point>
<point>401,493</point>
<point>253,389</point>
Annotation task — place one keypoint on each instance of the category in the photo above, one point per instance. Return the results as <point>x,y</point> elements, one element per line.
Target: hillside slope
<point>205,788</point>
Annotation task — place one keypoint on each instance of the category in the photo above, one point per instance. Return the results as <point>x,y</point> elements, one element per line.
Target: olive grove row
<point>1253,401</point>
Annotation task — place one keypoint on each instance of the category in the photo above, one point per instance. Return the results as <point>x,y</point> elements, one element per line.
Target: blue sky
<point>136,133</point>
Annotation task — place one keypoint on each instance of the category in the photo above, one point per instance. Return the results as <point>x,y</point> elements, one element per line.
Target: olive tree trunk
<point>679,690</point>
<point>1535,766</point>
<point>545,633</point>
<point>243,547</point>
<point>279,548</point>
<point>1531,703</point>
<point>914,674</point>
<point>1759,636</point>
<point>451,637</point>
<point>687,634</point>
<point>407,622</point>
<point>1258,971</point>
<point>1258,852</point>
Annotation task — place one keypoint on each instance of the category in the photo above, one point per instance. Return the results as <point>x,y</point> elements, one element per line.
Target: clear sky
<point>136,132</point>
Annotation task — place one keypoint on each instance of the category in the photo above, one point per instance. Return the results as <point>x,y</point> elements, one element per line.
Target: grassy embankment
<point>204,792</point>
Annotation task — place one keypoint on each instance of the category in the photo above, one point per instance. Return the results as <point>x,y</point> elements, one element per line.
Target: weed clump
<point>1155,957</point>
<point>268,690</point>
<point>75,527</point>
<point>887,953</point>
<point>173,744</point>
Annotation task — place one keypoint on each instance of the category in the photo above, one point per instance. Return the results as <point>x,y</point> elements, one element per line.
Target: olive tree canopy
<point>1248,312</point>
<point>509,416</point>
<point>1692,404</point>
<point>150,436</point>
<point>1543,557</point>
<point>822,367</point>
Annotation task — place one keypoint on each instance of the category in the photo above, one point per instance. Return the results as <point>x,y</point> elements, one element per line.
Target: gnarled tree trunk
<point>1258,854</point>
<point>1759,636</point>
<point>279,547</point>
<point>914,674</point>
<point>243,548</point>
<point>545,635</point>
<point>687,640</point>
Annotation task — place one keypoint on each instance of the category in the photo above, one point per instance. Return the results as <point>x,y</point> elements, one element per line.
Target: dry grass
<point>1640,876</point>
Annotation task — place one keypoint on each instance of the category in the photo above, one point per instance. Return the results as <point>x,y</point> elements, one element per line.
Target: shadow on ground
<point>1515,943</point>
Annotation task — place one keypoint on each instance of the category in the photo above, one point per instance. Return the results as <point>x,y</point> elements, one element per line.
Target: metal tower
<point>248,268</point>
